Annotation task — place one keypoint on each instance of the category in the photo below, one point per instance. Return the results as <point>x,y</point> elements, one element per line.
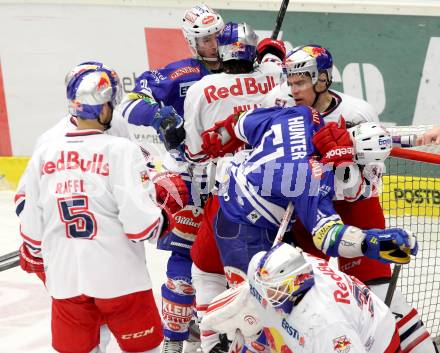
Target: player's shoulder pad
<point>357,109</point>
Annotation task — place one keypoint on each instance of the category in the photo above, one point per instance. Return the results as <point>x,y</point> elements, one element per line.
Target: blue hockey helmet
<point>237,41</point>
<point>282,274</point>
<point>311,59</point>
<point>89,86</point>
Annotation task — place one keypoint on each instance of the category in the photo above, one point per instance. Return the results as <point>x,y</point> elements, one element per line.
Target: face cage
<point>277,293</point>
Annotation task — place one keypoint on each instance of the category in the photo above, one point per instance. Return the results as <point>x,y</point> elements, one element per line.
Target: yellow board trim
<point>410,196</point>
<point>11,170</point>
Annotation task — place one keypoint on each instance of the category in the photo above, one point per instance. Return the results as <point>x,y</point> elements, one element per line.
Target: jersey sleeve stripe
<point>150,232</point>
<point>33,244</point>
<point>239,129</point>
<point>127,110</point>
<point>19,200</point>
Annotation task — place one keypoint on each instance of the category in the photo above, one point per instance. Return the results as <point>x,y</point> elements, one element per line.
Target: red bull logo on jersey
<point>341,344</point>
<point>70,160</point>
<point>242,86</point>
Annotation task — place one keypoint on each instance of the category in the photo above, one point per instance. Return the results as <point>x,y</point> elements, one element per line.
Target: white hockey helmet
<point>89,86</point>
<point>283,273</point>
<point>198,22</point>
<point>311,59</point>
<point>372,142</point>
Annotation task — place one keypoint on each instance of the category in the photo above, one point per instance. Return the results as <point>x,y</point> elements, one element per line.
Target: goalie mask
<point>89,86</point>
<point>198,22</point>
<point>372,143</point>
<point>282,274</point>
<point>237,41</point>
<point>311,59</point>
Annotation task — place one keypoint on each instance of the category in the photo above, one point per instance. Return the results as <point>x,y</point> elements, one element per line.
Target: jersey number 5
<point>75,214</point>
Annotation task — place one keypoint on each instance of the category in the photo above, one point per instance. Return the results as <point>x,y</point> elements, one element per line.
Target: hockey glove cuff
<point>28,262</point>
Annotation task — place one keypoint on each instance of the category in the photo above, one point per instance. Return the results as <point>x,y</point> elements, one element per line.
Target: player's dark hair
<point>238,66</point>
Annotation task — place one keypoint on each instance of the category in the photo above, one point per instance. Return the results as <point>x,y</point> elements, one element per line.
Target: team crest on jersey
<point>253,216</point>
<point>341,344</point>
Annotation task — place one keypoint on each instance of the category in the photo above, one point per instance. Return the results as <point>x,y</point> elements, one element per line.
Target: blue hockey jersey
<point>280,168</point>
<point>162,87</point>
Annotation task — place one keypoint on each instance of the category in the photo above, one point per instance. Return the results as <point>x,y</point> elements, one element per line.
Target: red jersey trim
<point>137,236</point>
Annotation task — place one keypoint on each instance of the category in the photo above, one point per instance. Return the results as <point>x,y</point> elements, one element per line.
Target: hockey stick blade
<point>280,19</point>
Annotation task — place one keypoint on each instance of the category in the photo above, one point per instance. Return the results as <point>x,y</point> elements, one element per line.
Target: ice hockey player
<point>159,94</point>
<point>68,123</point>
<point>117,127</point>
<point>304,305</point>
<point>282,168</point>
<point>89,205</point>
<point>156,99</point>
<point>309,70</point>
<point>240,87</point>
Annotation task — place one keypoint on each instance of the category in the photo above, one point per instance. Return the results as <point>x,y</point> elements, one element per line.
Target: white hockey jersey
<point>89,203</point>
<point>217,96</point>
<point>119,127</point>
<point>354,110</point>
<point>338,314</point>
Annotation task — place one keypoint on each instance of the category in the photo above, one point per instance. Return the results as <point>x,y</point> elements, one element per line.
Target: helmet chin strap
<point>317,94</point>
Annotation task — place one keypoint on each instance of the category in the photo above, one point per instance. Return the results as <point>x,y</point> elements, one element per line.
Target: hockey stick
<point>283,225</point>
<point>238,342</point>
<point>9,260</point>
<point>392,285</point>
<point>280,19</point>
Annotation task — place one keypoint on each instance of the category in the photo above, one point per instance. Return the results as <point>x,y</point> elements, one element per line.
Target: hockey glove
<point>393,245</point>
<point>29,262</point>
<point>334,144</point>
<point>171,191</point>
<point>169,125</point>
<point>221,139</point>
<point>271,46</point>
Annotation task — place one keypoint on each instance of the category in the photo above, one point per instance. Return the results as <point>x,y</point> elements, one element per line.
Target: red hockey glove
<point>334,143</point>
<point>272,46</point>
<point>221,139</point>
<point>171,191</point>
<point>29,262</point>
